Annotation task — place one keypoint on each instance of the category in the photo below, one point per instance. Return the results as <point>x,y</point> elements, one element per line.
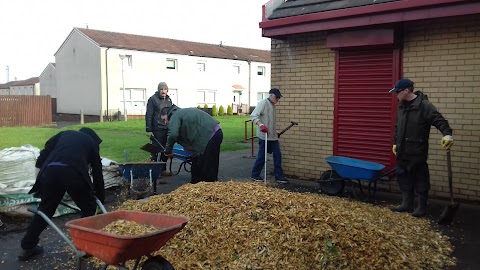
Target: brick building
<point>336,60</point>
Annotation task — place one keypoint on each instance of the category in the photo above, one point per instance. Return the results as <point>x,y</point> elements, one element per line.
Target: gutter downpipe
<point>106,77</point>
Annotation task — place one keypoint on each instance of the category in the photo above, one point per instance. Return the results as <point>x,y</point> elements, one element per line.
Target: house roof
<point>31,81</point>
<point>172,46</point>
<point>53,65</point>
<point>303,16</point>
<point>301,7</point>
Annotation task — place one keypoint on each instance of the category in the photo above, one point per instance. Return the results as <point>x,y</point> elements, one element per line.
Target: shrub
<point>229,110</point>
<point>198,107</point>
<point>214,110</point>
<point>205,106</point>
<point>221,111</point>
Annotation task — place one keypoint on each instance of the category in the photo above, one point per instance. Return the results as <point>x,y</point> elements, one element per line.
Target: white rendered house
<point>97,71</point>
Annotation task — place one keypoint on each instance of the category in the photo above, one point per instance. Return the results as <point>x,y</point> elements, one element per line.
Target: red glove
<point>263,129</point>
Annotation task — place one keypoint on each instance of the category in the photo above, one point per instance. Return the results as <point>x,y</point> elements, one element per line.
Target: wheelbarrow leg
<point>78,253</point>
<point>153,183</point>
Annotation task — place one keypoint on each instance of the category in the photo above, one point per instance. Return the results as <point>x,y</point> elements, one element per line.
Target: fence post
<point>81,117</point>
<point>252,138</point>
<point>101,116</point>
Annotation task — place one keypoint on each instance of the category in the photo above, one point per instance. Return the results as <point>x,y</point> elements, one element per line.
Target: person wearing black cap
<point>200,135</point>
<point>153,120</point>
<point>415,116</point>
<point>63,166</point>
<point>264,116</point>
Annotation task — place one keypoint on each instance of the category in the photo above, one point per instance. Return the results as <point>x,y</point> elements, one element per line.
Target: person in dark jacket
<point>415,116</point>
<point>153,120</point>
<point>63,166</point>
<point>200,135</point>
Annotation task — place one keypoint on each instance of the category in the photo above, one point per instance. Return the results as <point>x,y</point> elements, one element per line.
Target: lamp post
<point>122,56</point>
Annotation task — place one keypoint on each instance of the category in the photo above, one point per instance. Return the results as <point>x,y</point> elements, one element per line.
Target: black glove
<point>278,134</point>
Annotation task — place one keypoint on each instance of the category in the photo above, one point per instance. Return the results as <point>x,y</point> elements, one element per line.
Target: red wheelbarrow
<point>113,249</point>
<point>88,237</point>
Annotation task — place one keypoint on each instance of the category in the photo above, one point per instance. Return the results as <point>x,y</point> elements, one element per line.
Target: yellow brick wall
<point>441,56</point>
<point>304,70</point>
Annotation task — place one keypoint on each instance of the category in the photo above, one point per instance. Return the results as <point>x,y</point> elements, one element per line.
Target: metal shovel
<point>154,149</point>
<point>450,210</point>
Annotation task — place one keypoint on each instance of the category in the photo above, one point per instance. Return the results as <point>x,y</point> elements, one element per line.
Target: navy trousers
<point>205,166</point>
<point>55,181</point>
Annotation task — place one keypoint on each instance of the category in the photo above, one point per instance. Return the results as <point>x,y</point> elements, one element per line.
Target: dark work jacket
<point>77,150</point>
<point>412,128</point>
<point>155,105</point>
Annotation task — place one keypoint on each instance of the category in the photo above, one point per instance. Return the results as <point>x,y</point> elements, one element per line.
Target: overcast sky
<point>31,31</point>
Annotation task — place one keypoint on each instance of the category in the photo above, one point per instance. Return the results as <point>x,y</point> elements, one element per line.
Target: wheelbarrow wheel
<point>157,263</point>
<point>331,183</point>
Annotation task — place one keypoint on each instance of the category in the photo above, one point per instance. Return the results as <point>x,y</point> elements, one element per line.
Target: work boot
<point>27,254</point>
<point>421,209</point>
<point>407,203</point>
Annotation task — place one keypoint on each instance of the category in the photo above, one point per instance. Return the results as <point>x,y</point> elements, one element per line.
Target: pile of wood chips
<point>128,228</point>
<point>244,225</point>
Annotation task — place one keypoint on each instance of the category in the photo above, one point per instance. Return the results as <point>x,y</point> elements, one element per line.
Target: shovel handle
<point>287,128</point>
<point>450,176</point>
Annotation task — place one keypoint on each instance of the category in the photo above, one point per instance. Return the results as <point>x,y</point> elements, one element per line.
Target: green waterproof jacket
<point>412,128</point>
<point>190,127</point>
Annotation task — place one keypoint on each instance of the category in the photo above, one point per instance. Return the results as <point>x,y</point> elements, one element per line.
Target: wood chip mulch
<point>244,225</point>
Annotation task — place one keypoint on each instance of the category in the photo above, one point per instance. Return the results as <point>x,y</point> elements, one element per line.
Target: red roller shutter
<point>364,110</point>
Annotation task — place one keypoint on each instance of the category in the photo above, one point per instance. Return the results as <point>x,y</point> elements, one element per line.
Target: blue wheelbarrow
<point>345,169</point>
<point>183,156</point>
<point>142,176</point>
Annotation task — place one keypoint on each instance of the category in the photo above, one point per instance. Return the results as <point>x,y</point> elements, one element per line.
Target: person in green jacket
<point>415,116</point>
<point>200,135</point>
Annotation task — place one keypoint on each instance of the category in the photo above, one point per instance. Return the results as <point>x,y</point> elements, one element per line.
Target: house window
<point>201,66</point>
<point>261,96</point>
<point>134,97</point>
<point>206,96</point>
<point>236,69</point>
<point>171,63</point>
<point>129,60</point>
<point>126,61</point>
<point>261,71</point>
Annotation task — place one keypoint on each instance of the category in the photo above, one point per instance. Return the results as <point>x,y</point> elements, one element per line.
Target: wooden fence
<point>25,111</point>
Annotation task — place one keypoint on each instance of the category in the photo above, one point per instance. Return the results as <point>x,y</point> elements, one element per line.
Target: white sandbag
<point>17,169</point>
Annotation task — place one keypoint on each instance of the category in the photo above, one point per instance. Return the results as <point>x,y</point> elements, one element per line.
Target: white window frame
<point>128,97</point>
<point>261,70</point>
<point>204,96</point>
<point>171,60</point>
<point>201,66</point>
<point>128,64</point>
<point>236,69</point>
<point>130,61</point>
<point>261,96</point>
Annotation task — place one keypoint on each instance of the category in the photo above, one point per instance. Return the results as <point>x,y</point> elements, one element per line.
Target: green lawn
<point>119,136</point>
